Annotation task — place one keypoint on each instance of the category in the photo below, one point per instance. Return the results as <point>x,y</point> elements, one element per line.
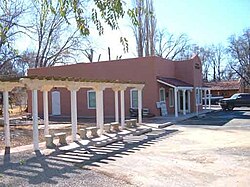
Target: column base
<point>38,153</point>
<point>7,151</point>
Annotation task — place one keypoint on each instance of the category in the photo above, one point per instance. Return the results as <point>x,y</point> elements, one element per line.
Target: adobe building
<point>171,87</point>
<point>224,88</point>
<point>227,88</point>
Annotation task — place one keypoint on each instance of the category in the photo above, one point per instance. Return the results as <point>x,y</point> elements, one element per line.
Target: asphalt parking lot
<point>238,118</point>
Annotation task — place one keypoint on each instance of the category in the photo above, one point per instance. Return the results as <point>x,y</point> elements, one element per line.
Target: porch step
<point>141,131</point>
<point>161,126</point>
<point>109,141</point>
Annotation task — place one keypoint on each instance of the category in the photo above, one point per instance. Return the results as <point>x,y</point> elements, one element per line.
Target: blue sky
<point>204,21</point>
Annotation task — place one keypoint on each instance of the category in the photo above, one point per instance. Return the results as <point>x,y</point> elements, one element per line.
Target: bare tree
<point>239,51</point>
<point>228,73</point>
<point>169,46</point>
<point>56,42</point>
<point>144,31</point>
<point>205,54</point>
<point>217,57</point>
<point>10,15</point>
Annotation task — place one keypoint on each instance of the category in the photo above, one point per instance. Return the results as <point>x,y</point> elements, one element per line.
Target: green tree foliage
<point>107,12</point>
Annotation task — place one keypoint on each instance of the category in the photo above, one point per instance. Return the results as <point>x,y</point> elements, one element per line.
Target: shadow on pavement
<point>218,118</point>
<point>42,169</point>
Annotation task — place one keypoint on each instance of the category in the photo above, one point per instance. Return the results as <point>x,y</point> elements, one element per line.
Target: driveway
<point>209,151</point>
<point>238,118</point>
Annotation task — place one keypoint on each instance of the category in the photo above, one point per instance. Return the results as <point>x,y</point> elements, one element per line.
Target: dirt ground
<point>23,135</point>
<point>190,157</point>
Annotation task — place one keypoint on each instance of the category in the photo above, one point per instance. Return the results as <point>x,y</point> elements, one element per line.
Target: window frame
<point>88,99</point>
<point>201,95</point>
<point>164,94</point>
<point>171,97</point>
<point>198,96</point>
<point>131,98</point>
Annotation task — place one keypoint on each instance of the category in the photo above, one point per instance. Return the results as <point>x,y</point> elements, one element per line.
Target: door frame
<point>56,100</point>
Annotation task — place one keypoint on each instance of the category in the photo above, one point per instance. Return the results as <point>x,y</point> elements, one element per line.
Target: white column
<point>73,113</point>
<point>122,109</point>
<point>205,98</point>
<point>99,109</point>
<point>197,92</point>
<point>116,106</point>
<point>184,101</point>
<point>175,102</point>
<point>45,112</point>
<point>139,106</point>
<point>209,100</point>
<point>35,120</point>
<point>179,100</point>
<point>6,118</point>
<point>189,103</point>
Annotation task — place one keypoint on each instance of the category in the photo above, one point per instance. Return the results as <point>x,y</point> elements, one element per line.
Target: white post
<point>122,109</point>
<point>197,92</point>
<point>99,109</point>
<point>35,120</point>
<point>189,103</point>
<point>209,100</point>
<point>184,102</point>
<point>6,118</point>
<point>205,98</point>
<point>73,114</point>
<point>45,112</point>
<point>175,102</point>
<point>116,106</point>
<point>139,106</point>
<point>179,100</point>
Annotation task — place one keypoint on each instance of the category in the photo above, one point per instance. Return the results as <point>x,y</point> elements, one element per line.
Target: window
<point>162,94</point>
<point>91,97</point>
<point>200,101</point>
<point>134,98</point>
<point>198,96</point>
<point>171,97</point>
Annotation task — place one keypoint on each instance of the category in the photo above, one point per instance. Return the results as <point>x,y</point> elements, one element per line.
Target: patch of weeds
<point>22,162</point>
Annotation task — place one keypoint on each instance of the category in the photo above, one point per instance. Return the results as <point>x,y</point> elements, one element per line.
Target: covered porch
<point>183,97</point>
<point>45,84</point>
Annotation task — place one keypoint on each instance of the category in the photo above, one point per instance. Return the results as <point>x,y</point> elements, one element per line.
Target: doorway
<point>56,103</point>
<point>181,101</point>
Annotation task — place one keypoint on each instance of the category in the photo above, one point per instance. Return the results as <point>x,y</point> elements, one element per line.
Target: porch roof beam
<point>178,87</point>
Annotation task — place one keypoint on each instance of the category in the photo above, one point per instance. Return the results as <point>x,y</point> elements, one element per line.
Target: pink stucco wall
<point>144,69</point>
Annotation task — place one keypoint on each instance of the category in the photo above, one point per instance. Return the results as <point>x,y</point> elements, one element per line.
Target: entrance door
<point>181,101</point>
<point>56,103</point>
